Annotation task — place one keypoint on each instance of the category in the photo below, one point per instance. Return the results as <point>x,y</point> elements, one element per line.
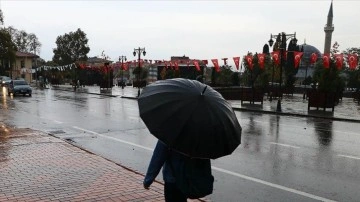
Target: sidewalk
<point>291,105</point>
<point>35,166</point>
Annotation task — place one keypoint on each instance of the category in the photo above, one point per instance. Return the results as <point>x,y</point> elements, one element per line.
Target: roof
<point>330,14</point>
<point>94,60</point>
<point>308,50</point>
<point>25,55</point>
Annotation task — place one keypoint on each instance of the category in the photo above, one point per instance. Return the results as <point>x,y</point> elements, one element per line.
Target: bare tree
<point>1,17</point>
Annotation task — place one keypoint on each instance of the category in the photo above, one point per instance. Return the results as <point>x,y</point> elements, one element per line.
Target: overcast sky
<point>198,29</point>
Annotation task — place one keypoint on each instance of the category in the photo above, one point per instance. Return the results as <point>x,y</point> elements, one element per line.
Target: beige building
<point>22,68</point>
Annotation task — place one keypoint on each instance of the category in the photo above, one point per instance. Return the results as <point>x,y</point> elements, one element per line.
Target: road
<point>281,158</point>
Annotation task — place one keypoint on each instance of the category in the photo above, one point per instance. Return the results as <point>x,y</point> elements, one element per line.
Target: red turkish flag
<point>196,63</point>
<point>276,57</point>
<point>297,58</point>
<point>249,60</point>
<point>216,64</point>
<point>171,64</point>
<point>313,58</point>
<point>237,62</point>
<point>261,60</point>
<point>166,64</point>
<point>326,60</point>
<point>353,61</point>
<point>125,66</point>
<point>176,65</point>
<point>339,59</point>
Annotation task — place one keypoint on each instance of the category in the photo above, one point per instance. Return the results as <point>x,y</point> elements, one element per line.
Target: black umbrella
<point>190,117</point>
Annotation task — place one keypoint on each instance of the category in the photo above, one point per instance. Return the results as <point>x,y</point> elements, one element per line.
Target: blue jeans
<point>173,193</point>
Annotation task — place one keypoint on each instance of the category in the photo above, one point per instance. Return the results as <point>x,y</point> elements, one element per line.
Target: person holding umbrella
<point>166,159</point>
<point>191,121</point>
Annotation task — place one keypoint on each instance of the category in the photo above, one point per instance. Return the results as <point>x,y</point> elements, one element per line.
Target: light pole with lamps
<point>139,51</point>
<point>122,59</point>
<point>280,44</point>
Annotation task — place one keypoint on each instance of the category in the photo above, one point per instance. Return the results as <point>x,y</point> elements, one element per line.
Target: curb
<point>296,114</point>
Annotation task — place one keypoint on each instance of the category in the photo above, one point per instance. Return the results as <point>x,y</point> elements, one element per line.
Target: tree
<point>329,79</point>
<point>224,76</point>
<point>1,17</point>
<point>353,76</point>
<point>257,76</point>
<point>7,51</point>
<point>24,42</point>
<point>71,47</point>
<point>290,70</point>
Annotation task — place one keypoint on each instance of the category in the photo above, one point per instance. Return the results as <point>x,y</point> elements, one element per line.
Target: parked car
<point>5,80</point>
<point>19,87</point>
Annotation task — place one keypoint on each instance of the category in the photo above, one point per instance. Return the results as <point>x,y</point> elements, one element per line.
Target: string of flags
<point>351,59</point>
<point>61,68</point>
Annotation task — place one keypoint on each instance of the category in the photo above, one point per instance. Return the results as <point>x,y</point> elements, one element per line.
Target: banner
<point>237,62</point>
<point>353,61</point>
<point>313,58</point>
<point>216,64</point>
<point>297,58</point>
<point>326,60</point>
<point>249,60</point>
<point>339,59</point>
<point>275,57</point>
<point>197,66</point>
<point>176,65</point>
<point>261,60</point>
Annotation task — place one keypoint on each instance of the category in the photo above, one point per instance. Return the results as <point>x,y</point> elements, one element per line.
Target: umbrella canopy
<point>190,117</point>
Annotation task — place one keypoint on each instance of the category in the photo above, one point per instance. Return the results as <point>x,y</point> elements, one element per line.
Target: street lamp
<point>280,44</point>
<point>139,51</point>
<point>122,59</point>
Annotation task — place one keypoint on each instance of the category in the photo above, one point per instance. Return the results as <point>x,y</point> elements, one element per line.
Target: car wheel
<point>30,95</point>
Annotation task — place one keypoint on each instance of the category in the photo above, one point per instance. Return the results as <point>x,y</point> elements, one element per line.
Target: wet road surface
<point>281,158</point>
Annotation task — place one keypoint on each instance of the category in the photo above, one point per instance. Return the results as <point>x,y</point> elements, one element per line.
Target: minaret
<point>328,29</point>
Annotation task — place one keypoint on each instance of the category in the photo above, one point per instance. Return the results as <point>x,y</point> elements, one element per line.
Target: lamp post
<point>280,44</point>
<point>139,51</point>
<point>304,81</point>
<point>122,59</point>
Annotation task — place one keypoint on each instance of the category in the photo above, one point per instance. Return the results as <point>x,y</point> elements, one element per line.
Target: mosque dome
<point>305,68</point>
<point>308,50</point>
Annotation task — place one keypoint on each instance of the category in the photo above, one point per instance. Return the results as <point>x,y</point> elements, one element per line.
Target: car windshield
<point>20,82</point>
<point>5,78</point>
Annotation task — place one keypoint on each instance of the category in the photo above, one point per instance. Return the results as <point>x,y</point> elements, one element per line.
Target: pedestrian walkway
<point>35,166</point>
<point>291,105</point>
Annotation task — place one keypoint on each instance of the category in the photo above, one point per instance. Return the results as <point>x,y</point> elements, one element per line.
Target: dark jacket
<point>161,158</point>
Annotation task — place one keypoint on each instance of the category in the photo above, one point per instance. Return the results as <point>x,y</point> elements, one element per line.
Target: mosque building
<point>305,68</point>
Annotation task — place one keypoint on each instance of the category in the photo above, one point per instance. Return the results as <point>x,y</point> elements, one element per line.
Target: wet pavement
<point>292,105</point>
<point>35,166</point>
